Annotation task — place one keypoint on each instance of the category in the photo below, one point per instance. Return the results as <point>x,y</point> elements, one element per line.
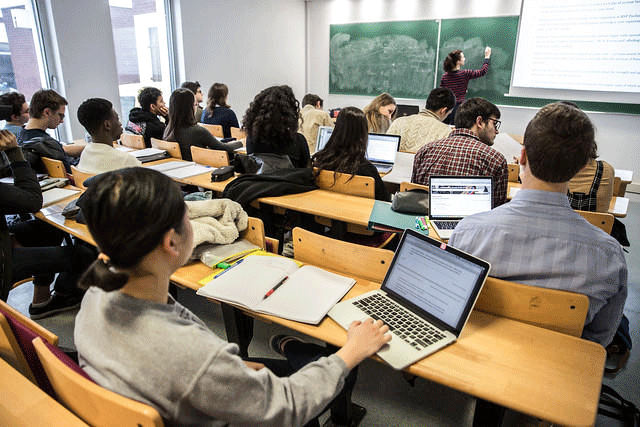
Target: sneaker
<point>56,304</point>
<point>277,342</point>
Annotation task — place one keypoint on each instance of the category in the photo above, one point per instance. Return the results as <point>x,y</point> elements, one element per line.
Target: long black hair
<point>347,146</point>
<point>128,212</point>
<point>181,113</point>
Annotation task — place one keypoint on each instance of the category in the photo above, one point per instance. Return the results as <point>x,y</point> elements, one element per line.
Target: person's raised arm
<point>363,340</point>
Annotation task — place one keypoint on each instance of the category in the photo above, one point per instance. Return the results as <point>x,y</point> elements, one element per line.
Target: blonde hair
<point>377,122</point>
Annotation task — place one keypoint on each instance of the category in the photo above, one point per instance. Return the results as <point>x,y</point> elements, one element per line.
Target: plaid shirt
<point>462,153</point>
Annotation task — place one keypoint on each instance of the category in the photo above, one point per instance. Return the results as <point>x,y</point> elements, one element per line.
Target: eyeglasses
<point>496,123</point>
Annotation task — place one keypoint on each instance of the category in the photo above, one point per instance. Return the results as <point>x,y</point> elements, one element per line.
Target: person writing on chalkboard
<point>458,80</point>
<point>135,339</point>
<point>379,113</point>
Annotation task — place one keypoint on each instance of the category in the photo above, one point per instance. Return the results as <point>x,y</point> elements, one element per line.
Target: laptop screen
<point>324,132</point>
<point>435,278</point>
<point>382,148</point>
<point>459,196</point>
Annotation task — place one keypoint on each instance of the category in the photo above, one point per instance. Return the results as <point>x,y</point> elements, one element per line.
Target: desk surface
<point>532,370</point>
<point>202,180</point>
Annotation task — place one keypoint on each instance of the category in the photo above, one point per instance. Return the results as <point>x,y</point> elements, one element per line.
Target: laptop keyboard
<point>446,225</point>
<point>410,328</point>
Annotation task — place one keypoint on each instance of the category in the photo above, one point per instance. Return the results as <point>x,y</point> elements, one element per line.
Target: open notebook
<point>304,294</point>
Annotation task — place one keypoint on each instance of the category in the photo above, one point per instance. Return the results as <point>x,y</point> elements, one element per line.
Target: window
<point>142,49</point>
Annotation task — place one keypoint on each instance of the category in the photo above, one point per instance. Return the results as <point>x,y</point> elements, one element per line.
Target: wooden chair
<point>10,349</point>
<point>406,186</point>
<point>215,130</point>
<point>24,404</point>
<point>209,157</point>
<point>133,141</point>
<point>514,172</point>
<point>94,404</point>
<point>55,168</point>
<point>362,186</point>
<point>619,189</point>
<point>79,177</point>
<point>238,133</point>
<point>344,257</point>
<point>173,148</point>
<point>602,220</point>
<point>553,309</point>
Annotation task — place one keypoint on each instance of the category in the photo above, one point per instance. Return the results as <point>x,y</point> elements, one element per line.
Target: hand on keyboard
<point>363,340</point>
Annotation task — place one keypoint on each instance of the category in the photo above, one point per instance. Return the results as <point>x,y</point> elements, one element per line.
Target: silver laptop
<point>425,298</point>
<point>451,198</point>
<point>381,148</point>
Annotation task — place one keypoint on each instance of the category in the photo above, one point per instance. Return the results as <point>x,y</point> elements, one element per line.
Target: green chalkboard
<point>400,58</point>
<point>394,57</point>
<point>471,36</point>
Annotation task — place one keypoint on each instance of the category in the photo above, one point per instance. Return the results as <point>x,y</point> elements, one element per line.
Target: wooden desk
<point>536,371</point>
<point>618,206</point>
<point>22,403</point>
<point>202,180</point>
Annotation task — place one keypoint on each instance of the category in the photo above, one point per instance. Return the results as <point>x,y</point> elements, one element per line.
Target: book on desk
<point>383,218</point>
<point>280,287</point>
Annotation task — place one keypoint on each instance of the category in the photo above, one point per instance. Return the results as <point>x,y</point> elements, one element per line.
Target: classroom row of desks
<point>533,370</point>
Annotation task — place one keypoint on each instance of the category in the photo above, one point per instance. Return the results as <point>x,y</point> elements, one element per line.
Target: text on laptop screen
<point>382,148</point>
<point>437,281</point>
<point>457,197</point>
<point>324,132</point>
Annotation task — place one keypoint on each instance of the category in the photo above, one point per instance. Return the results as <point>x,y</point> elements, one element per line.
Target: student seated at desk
<point>271,123</point>
<point>134,339</point>
<point>346,150</point>
<point>218,112</point>
<point>183,129</point>
<point>537,239</point>
<point>103,124</point>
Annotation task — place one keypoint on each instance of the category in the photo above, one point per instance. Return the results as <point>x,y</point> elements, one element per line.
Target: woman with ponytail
<point>135,339</point>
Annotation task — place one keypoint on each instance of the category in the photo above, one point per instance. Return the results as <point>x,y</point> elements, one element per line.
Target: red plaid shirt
<point>462,153</point>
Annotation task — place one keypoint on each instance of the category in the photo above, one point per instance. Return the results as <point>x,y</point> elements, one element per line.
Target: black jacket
<point>150,124</point>
<point>247,188</point>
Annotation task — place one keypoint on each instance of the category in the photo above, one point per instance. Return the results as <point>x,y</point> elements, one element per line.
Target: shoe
<point>277,342</point>
<point>56,304</point>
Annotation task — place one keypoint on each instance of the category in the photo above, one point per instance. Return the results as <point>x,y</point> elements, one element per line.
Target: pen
<point>272,290</point>
<point>227,269</point>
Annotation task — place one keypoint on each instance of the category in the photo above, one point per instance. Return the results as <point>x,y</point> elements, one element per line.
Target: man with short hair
<point>312,116</point>
<point>538,240</point>
<point>195,88</point>
<point>144,120</point>
<point>467,150</point>
<point>47,111</point>
<point>19,114</point>
<point>99,118</point>
<point>426,126</point>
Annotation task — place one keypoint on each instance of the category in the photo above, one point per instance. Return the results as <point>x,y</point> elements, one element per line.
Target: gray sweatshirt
<point>163,355</point>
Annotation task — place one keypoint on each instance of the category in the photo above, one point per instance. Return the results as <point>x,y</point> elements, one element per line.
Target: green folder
<point>383,218</point>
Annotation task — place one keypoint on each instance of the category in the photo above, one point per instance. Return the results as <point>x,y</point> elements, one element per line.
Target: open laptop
<point>425,298</point>
<point>324,132</point>
<point>382,149</point>
<point>403,110</point>
<point>451,198</point>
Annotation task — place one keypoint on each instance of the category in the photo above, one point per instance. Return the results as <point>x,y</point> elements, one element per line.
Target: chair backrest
<point>618,189</point>
<point>255,232</point>
<point>16,333</point>
<point>209,157</point>
<point>406,186</point>
<point>173,148</point>
<point>602,220</point>
<point>24,404</point>
<point>55,168</point>
<point>79,177</point>
<point>132,141</point>
<point>363,186</point>
<point>238,133</point>
<point>215,130</point>
<point>361,261</point>
<point>94,404</point>
<point>514,172</point>
<point>553,309</point>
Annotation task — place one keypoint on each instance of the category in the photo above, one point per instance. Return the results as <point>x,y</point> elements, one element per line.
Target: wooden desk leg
<point>343,411</point>
<point>239,328</point>
<point>487,414</point>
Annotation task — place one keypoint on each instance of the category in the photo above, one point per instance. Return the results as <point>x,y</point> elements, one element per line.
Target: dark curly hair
<point>451,60</point>
<point>347,146</point>
<point>272,116</point>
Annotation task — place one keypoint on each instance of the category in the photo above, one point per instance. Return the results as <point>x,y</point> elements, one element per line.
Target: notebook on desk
<point>451,198</point>
<point>381,148</point>
<point>425,298</point>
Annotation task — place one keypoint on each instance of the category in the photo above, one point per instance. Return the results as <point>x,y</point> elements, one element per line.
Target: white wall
<point>617,134</point>
<point>85,54</point>
<point>247,44</point>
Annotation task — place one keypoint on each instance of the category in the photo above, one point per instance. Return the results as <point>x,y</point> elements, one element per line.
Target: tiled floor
<point>389,399</point>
